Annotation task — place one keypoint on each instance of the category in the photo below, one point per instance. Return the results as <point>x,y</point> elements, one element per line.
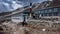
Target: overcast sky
<point>8,5</point>
<point>32,1</point>
<point>25,2</point>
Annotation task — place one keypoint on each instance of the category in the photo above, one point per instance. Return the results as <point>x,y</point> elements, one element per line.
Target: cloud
<point>6,4</point>
<point>13,2</point>
<point>15,5</point>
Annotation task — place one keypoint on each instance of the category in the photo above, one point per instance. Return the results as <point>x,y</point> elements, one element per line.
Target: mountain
<point>55,3</point>
<point>9,5</point>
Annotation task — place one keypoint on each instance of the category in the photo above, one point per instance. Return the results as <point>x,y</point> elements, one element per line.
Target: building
<point>51,11</point>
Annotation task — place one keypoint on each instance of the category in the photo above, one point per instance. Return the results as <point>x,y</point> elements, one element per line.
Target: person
<point>24,22</point>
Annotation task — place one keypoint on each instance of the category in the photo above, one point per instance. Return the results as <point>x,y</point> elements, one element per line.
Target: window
<point>50,10</point>
<point>36,12</point>
<point>55,9</point>
<point>46,10</point>
<point>39,11</point>
<point>43,11</point>
<point>58,9</point>
<point>55,14</point>
<point>58,14</point>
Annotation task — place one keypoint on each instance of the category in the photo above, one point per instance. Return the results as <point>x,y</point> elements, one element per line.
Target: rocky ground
<point>33,27</point>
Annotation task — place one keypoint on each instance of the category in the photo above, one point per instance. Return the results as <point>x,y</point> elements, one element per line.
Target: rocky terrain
<point>34,27</point>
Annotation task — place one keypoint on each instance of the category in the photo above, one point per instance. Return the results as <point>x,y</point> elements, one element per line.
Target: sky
<point>9,5</point>
<point>26,2</point>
